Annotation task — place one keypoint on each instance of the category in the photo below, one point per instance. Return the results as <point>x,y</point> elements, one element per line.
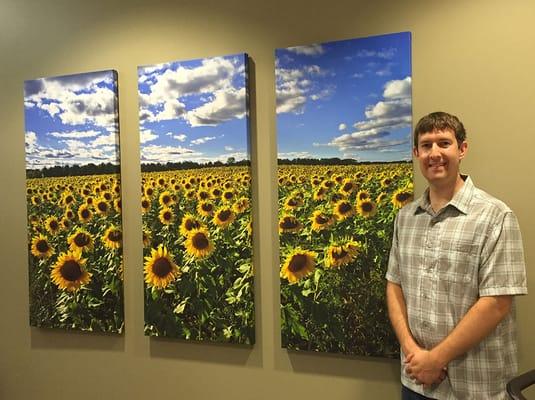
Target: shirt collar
<point>461,199</point>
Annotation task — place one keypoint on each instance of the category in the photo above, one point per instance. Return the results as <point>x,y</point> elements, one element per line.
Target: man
<point>455,264</point>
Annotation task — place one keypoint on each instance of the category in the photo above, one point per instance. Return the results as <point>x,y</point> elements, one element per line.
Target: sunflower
<point>228,195</point>
<point>69,272</point>
<point>112,237</point>
<point>41,248</point>
<point>189,223</point>
<point>402,197</point>
<point>203,195</point>
<point>36,200</point>
<point>146,238</point>
<point>80,240</point>
<point>102,206</point>
<point>84,213</point>
<point>319,194</point>
<point>381,197</point>
<point>166,216</point>
<point>117,203</point>
<point>205,208</point>
<point>386,182</point>
<point>289,224</point>
<point>149,192</point>
<point>366,208</point>
<point>160,269</point>
<point>347,187</point>
<point>338,256</point>
<point>198,243</point>
<point>52,225</point>
<point>241,205</point>
<point>321,221</point>
<point>298,264</point>
<point>292,202</point>
<point>343,209</point>
<point>363,195</point>
<point>68,199</point>
<point>223,217</point>
<point>166,199</point>
<point>145,204</point>
<point>69,214</point>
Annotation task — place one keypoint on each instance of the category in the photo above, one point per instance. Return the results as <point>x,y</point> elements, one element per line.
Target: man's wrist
<point>439,357</point>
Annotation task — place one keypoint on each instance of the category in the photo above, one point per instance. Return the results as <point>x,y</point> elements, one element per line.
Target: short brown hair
<point>440,121</point>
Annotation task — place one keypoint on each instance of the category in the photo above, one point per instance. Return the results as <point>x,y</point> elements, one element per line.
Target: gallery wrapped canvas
<point>343,128</point>
<point>74,202</point>
<point>196,200</point>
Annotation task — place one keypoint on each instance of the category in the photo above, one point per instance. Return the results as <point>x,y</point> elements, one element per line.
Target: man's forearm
<point>397,312</point>
<point>478,323</point>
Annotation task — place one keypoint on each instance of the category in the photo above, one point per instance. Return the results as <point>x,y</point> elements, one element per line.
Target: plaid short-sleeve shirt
<point>444,262</point>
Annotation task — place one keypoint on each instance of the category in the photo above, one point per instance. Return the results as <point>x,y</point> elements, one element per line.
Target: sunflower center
<point>228,195</point>
<point>298,262</point>
<point>403,196</point>
<point>224,215</point>
<point>69,199</point>
<point>81,239</point>
<point>71,271</point>
<point>347,187</point>
<point>102,206</point>
<point>54,225</point>
<point>145,204</point>
<point>321,219</point>
<point>200,241</point>
<point>42,246</point>
<point>338,254</point>
<point>344,208</point>
<point>115,236</point>
<point>367,206</point>
<point>288,223</point>
<point>292,202</point>
<point>161,267</point>
<point>191,224</point>
<point>166,199</point>
<point>85,213</point>
<point>167,215</point>
<point>207,207</point>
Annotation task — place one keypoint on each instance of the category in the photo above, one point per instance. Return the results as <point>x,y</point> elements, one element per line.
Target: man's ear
<point>463,148</point>
<point>415,151</point>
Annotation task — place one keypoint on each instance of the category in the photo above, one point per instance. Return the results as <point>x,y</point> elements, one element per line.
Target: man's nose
<point>435,150</point>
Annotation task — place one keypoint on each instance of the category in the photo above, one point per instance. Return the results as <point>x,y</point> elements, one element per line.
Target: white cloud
<point>164,154</point>
<point>180,137</point>
<point>75,99</point>
<point>386,54</point>
<point>102,140</point>
<point>392,113</point>
<point>75,134</point>
<point>226,105</point>
<point>229,148</point>
<point>146,135</point>
<point>202,140</point>
<point>294,88</point>
<point>294,154</point>
<point>342,127</point>
<point>312,50</point>
<point>398,89</point>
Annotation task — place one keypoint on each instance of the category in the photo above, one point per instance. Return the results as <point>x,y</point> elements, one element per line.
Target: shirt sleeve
<point>502,270</point>
<point>392,274</point>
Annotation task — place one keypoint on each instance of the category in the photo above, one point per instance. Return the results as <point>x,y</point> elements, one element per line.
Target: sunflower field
<point>335,228</point>
<point>75,252</point>
<point>197,254</point>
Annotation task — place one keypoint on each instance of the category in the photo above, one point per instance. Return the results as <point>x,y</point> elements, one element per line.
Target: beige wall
<point>472,58</point>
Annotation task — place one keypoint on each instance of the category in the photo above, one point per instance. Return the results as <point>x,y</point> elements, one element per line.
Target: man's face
<point>439,156</point>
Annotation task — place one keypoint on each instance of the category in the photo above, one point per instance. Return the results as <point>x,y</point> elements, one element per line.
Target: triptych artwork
<point>343,129</point>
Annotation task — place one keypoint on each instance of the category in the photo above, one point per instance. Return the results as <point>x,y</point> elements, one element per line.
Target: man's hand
<point>421,366</point>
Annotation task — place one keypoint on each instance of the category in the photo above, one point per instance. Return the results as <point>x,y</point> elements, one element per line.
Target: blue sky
<point>346,99</point>
<point>71,120</point>
<point>193,110</point>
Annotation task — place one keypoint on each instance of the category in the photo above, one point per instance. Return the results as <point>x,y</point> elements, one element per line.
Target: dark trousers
<point>407,394</point>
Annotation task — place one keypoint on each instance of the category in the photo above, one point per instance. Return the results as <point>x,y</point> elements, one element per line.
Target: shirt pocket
<point>458,260</point>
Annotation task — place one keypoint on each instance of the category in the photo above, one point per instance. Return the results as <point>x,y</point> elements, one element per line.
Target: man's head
<point>440,121</point>
<point>439,147</point>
